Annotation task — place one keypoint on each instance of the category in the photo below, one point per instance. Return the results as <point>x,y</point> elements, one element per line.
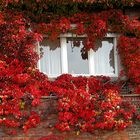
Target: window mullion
<point>115,56</point>
<point>64,58</point>
<point>91,59</point>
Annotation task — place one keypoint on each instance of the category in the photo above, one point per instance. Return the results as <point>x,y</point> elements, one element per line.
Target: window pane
<point>50,62</point>
<point>76,65</point>
<point>104,57</point>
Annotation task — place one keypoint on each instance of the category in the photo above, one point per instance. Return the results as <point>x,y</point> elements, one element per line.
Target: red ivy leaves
<point>129,49</point>
<point>91,103</point>
<point>85,104</point>
<point>20,81</point>
<point>33,121</point>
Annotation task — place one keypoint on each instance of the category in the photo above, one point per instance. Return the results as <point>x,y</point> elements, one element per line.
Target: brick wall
<point>42,131</point>
<point>45,129</point>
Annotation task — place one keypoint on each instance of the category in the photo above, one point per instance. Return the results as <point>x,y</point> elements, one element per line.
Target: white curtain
<point>76,65</point>
<point>104,58</point>
<point>50,62</point>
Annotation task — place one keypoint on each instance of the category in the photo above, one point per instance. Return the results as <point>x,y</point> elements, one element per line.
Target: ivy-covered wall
<point>84,104</point>
<point>45,131</point>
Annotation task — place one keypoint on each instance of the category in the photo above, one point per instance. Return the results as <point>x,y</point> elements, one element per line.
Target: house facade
<point>63,56</point>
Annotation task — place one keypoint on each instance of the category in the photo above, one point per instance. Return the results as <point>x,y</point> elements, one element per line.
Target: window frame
<point>91,59</point>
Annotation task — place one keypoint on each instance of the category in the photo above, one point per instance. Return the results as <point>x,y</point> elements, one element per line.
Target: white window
<point>63,56</point>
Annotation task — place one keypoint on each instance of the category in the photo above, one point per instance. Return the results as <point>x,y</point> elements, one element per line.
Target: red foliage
<point>129,48</point>
<point>91,103</point>
<point>85,104</point>
<point>20,81</point>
